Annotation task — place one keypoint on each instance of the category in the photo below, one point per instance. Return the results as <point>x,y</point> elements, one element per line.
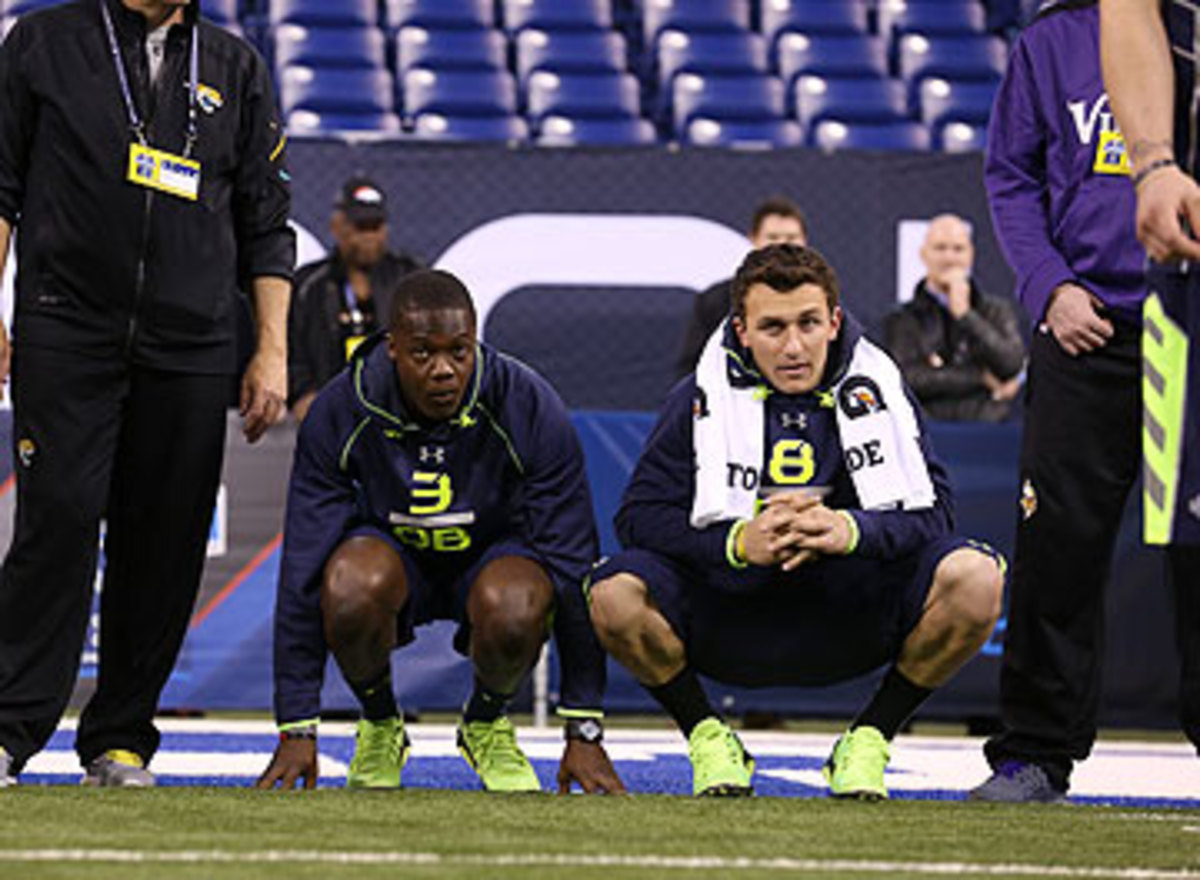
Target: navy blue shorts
<point>826,622</point>
<point>439,591</point>
<point>1171,407</point>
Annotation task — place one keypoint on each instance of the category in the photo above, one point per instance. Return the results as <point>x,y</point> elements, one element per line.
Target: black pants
<point>1080,457</point>
<point>141,449</point>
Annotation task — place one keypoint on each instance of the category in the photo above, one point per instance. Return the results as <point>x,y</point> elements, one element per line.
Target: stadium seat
<point>582,95</point>
<point>813,18</point>
<point>747,97</point>
<point>440,127</point>
<point>298,44</point>
<point>931,17</point>
<point>460,49</point>
<point>306,123</point>
<point>222,12</point>
<point>14,8</point>
<point>961,58</point>
<point>323,13</point>
<point>718,53</point>
<point>440,14</point>
<point>959,137</point>
<point>941,100</point>
<point>557,15</point>
<point>569,51</point>
<point>347,90</point>
<point>459,93</point>
<point>747,133</point>
<point>848,100</point>
<point>831,56</point>
<point>834,135</point>
<point>692,16</point>
<point>562,131</point>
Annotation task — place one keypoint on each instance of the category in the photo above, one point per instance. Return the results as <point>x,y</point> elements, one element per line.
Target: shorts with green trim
<point>439,590</point>
<point>829,621</point>
<point>1171,411</point>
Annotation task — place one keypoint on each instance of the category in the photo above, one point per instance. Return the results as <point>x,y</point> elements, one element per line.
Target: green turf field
<point>52,832</point>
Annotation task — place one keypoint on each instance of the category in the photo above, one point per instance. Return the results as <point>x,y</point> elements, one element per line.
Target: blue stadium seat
<point>20,7</point>
<point>459,93</point>
<point>298,44</point>
<point>814,18</point>
<point>693,16</point>
<point>861,56</point>
<point>717,53</point>
<point>582,95</point>
<point>569,51</point>
<point>323,13</point>
<point>441,127</point>
<point>557,15</point>
<point>440,14</point>
<point>834,135</point>
<point>349,90</point>
<point>848,100</point>
<point>962,58</point>
<point>743,133</point>
<point>747,97</point>
<point>306,123</point>
<point>222,12</point>
<point>941,100</point>
<point>460,49</point>
<point>931,17</point>
<point>960,137</point>
<point>563,131</point>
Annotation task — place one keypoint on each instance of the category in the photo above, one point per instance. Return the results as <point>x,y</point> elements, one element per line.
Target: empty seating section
<point>830,74</point>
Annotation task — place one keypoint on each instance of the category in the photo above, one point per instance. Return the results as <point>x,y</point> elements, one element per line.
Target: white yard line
<point>679,863</point>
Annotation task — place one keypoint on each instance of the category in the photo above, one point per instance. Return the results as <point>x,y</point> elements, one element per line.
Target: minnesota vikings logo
<point>1029,499</point>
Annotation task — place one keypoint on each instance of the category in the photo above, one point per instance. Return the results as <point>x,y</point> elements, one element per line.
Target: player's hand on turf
<point>588,765</point>
<point>1074,318</point>
<point>264,393</point>
<point>1168,215</point>
<point>295,760</point>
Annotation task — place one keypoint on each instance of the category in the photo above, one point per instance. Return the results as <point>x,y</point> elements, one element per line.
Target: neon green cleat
<point>380,752</point>
<point>721,766</point>
<point>490,747</point>
<point>855,767</point>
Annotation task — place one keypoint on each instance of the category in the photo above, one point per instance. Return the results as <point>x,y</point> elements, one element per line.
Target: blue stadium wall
<point>610,349</point>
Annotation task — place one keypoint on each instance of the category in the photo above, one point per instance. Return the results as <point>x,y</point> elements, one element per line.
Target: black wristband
<point>1156,165</point>
<point>588,730</point>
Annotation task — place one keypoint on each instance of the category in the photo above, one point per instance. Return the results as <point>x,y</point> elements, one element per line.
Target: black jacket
<point>943,360</point>
<point>316,322</point>
<point>709,309</point>
<point>106,267</point>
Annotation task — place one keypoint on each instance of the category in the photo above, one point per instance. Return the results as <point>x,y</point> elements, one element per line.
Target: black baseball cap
<point>363,201</point>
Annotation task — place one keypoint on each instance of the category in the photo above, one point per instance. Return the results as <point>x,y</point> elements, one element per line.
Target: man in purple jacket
<point>1058,184</point>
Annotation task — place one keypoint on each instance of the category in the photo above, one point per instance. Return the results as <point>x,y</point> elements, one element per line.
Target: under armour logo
<point>436,454</point>
<point>799,421</point>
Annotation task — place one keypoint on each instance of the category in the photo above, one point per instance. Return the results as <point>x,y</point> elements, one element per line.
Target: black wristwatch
<point>588,730</point>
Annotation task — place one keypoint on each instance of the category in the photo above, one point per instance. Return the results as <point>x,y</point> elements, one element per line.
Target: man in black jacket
<point>960,350</point>
<point>342,299</point>
<point>143,162</point>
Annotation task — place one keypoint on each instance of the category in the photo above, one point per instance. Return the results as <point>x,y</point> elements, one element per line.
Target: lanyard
<point>136,123</point>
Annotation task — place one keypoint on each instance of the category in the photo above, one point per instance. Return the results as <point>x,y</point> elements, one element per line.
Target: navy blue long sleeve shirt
<point>513,466</point>
<point>801,438</point>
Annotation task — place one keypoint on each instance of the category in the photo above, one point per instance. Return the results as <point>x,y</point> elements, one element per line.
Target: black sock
<point>485,705</point>
<point>684,699</point>
<point>896,699</point>
<point>376,697</point>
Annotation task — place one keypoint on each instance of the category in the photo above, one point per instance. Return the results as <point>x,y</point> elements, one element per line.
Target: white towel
<point>877,426</point>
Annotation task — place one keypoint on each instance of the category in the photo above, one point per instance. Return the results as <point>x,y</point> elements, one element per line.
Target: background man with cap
<point>338,300</point>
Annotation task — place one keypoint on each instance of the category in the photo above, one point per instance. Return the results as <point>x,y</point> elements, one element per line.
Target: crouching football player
<point>434,479</point>
<point>787,525</point>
